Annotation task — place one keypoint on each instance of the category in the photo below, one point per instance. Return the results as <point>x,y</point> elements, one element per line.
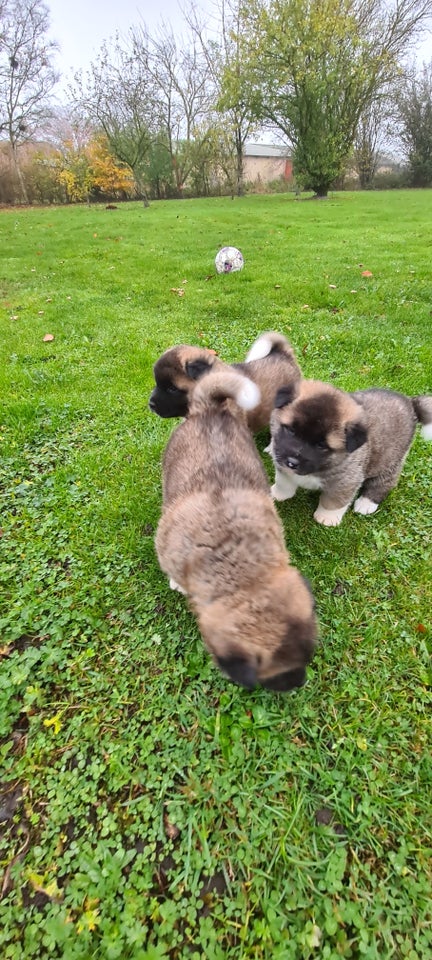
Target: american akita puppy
<point>270,363</point>
<point>221,542</point>
<point>342,444</point>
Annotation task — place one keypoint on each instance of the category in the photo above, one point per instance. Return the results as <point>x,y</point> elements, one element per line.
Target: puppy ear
<point>239,670</point>
<point>355,436</point>
<point>197,368</point>
<point>284,396</point>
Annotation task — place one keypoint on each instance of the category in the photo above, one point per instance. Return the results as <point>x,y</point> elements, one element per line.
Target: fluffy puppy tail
<point>212,390</point>
<point>423,412</point>
<point>270,342</point>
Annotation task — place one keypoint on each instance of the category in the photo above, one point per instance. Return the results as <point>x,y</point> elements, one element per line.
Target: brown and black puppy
<point>221,542</point>
<point>270,363</point>
<point>343,443</point>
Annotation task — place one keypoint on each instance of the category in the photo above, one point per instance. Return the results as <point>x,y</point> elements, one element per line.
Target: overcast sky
<point>80,26</point>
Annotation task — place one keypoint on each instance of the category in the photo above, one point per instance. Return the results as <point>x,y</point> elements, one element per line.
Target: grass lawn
<point>148,808</point>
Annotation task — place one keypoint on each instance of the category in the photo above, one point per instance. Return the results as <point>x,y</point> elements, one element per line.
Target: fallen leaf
<point>41,313</point>
<point>305,306</point>
<point>367,273</point>
<point>277,286</point>
<point>353,291</point>
<point>332,286</point>
<point>171,831</point>
<point>421,628</point>
<point>51,889</point>
<point>14,317</point>
<point>48,337</point>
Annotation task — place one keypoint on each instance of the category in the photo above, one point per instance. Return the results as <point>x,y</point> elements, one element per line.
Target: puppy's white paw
<point>365,506</point>
<point>284,494</point>
<point>176,586</point>
<point>269,448</point>
<point>329,518</point>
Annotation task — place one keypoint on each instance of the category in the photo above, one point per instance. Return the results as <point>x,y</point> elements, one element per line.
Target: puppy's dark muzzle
<point>152,403</point>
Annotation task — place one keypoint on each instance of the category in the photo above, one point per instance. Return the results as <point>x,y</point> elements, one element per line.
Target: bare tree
<point>27,77</point>
<point>232,95</point>
<point>372,135</point>
<point>415,124</point>
<point>181,76</point>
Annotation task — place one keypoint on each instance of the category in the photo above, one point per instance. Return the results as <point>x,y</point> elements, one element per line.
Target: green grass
<point>149,809</point>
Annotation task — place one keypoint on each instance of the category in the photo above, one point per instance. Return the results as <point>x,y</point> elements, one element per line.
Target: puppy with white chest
<point>221,542</point>
<point>343,444</point>
<point>270,363</point>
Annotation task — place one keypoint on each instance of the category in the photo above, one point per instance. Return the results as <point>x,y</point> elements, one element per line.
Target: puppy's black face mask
<point>294,451</point>
<point>302,444</point>
<point>242,672</point>
<point>169,401</point>
<point>283,682</point>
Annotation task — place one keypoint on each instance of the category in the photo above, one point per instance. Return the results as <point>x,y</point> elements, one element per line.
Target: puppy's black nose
<point>292,462</point>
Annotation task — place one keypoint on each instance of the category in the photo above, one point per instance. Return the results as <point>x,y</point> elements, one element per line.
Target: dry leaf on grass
<point>171,831</point>
<point>48,337</point>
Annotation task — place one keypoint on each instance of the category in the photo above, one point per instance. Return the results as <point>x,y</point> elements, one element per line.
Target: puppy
<point>270,363</point>
<point>221,542</point>
<point>341,443</point>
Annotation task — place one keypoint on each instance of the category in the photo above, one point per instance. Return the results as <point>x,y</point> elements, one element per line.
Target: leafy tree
<point>415,125</point>
<point>317,65</point>
<point>27,77</point>
<point>159,174</point>
<point>108,177</point>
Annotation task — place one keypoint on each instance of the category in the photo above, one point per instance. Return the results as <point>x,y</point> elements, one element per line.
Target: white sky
<point>80,26</point>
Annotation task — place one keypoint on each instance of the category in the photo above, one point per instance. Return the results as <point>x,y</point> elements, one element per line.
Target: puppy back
<point>213,391</point>
<point>267,343</point>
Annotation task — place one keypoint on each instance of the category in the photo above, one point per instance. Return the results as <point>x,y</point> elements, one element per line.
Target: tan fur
<point>221,541</point>
<point>366,437</point>
<point>269,373</point>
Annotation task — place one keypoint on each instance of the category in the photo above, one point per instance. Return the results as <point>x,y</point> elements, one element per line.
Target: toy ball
<point>229,259</point>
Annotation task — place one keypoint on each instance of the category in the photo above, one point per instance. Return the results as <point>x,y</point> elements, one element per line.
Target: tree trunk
<point>321,193</point>
<point>239,166</point>
<point>24,194</point>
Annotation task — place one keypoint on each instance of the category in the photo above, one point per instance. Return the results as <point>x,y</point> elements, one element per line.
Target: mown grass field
<point>148,808</point>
